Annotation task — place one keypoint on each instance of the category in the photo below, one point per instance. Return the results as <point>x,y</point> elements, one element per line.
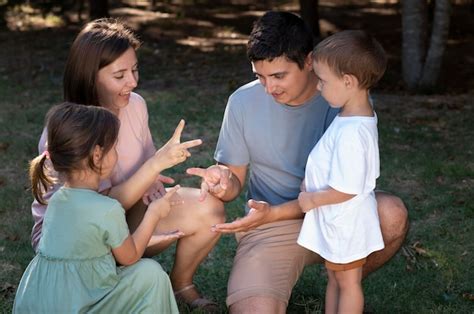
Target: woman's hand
<point>173,152</point>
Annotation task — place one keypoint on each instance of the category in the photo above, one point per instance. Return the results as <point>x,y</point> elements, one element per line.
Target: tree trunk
<point>422,54</point>
<point>439,37</point>
<point>310,14</point>
<point>414,18</point>
<point>98,8</point>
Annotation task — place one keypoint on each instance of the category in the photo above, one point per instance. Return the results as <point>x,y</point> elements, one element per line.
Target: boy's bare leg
<point>393,217</point>
<point>195,219</point>
<point>351,296</point>
<point>332,294</point>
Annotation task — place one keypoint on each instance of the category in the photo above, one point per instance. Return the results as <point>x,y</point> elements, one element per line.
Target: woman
<point>102,70</point>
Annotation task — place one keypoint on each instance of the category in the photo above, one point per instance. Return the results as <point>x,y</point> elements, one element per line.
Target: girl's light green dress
<point>74,270</point>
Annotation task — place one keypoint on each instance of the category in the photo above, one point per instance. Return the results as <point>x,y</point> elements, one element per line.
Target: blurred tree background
<point>193,58</point>
<point>422,34</point>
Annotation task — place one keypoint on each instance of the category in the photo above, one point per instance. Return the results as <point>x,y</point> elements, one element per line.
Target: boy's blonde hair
<point>353,52</point>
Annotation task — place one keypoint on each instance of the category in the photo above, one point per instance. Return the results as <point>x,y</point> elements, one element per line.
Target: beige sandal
<point>198,303</point>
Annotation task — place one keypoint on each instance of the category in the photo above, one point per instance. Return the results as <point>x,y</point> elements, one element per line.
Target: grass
<point>426,157</point>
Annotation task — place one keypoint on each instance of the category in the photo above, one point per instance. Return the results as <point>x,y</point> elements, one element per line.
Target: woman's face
<point>117,80</point>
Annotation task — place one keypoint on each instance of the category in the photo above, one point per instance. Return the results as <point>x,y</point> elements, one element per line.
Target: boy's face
<point>331,86</point>
<point>285,81</point>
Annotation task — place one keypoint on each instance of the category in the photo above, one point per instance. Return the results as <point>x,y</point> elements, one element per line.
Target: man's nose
<point>269,86</point>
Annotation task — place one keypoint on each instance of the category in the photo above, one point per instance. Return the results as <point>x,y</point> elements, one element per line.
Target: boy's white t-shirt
<point>346,158</point>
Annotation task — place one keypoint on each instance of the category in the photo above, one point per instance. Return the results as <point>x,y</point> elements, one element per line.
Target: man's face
<point>285,81</point>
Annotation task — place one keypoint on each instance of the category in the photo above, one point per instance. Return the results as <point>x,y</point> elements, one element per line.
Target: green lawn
<point>426,157</point>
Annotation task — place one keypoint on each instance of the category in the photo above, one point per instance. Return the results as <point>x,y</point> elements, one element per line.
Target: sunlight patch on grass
<point>24,18</point>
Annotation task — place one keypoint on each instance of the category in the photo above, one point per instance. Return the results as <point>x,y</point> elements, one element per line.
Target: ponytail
<point>39,180</point>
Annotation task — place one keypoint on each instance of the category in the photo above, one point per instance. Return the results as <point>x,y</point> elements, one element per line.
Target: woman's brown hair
<point>74,131</point>
<point>98,44</point>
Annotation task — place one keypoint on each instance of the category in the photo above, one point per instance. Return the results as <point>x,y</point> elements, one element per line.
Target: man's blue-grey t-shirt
<point>273,139</point>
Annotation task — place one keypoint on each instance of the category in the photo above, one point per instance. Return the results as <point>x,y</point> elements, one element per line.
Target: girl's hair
<point>353,52</point>
<point>98,44</point>
<point>74,131</point>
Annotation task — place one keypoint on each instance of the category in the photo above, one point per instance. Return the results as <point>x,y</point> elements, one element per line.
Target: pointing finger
<point>196,172</point>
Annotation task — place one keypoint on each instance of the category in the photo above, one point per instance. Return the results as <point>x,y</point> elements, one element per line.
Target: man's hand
<point>215,180</point>
<point>258,215</point>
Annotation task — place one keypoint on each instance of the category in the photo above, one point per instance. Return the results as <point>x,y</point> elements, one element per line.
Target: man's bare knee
<point>260,305</point>
<point>393,216</point>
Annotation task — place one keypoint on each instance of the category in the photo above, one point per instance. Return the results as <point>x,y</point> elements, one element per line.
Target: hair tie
<point>46,154</point>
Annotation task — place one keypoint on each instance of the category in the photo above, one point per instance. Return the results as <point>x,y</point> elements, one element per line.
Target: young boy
<point>341,222</point>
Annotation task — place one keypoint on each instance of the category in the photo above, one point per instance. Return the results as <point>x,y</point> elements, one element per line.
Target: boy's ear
<point>350,81</point>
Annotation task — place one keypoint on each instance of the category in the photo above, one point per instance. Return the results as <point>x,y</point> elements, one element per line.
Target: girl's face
<point>108,162</point>
<point>117,80</point>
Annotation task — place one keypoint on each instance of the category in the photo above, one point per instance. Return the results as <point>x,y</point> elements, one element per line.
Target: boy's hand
<point>303,186</point>
<point>305,201</point>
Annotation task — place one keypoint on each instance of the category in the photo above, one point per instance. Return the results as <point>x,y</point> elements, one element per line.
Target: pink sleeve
<point>147,138</point>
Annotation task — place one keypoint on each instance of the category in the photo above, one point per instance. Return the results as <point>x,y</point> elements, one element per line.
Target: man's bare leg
<point>393,217</point>
<point>258,305</point>
<point>195,219</point>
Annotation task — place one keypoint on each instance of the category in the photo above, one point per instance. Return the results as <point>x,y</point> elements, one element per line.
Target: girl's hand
<point>162,206</point>
<point>174,152</point>
<point>165,237</point>
<point>157,189</point>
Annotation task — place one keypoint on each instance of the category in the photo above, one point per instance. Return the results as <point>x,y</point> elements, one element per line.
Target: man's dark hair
<point>278,34</point>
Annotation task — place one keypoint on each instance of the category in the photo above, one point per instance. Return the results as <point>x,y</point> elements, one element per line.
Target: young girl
<point>85,233</point>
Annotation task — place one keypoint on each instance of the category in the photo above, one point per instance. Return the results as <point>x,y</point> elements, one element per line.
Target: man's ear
<point>97,155</point>
<point>308,61</point>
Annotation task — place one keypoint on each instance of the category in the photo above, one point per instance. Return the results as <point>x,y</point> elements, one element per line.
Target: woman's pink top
<point>134,147</point>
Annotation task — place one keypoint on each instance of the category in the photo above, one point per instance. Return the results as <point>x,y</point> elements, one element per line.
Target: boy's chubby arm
<point>328,196</point>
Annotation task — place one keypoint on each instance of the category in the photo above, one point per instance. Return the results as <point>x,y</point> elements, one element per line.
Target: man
<point>269,128</point>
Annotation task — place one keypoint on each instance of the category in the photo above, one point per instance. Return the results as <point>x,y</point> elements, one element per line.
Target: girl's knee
<point>148,270</point>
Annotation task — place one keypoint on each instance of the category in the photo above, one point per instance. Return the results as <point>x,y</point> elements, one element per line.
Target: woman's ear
<point>97,155</point>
